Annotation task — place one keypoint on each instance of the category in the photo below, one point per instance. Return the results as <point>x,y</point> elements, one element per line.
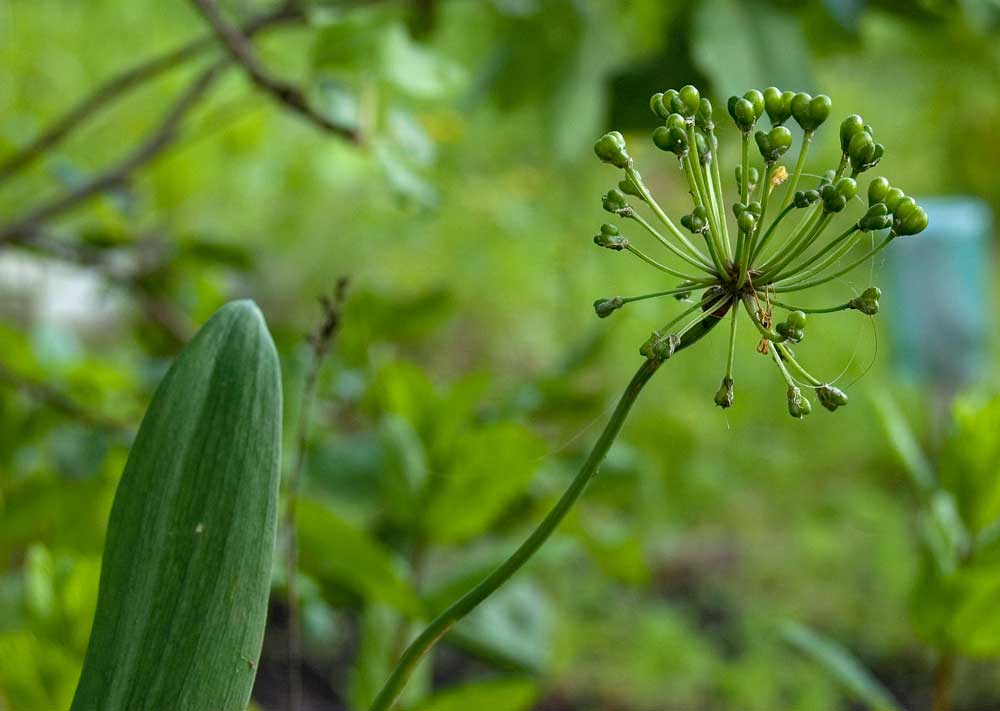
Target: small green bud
<point>670,100</point>
<point>753,178</point>
<point>724,396</point>
<point>671,139</point>
<point>893,198</point>
<point>610,238</point>
<point>756,100</point>
<point>657,106</point>
<point>908,218</point>
<point>690,99</point>
<point>697,221</point>
<point>675,120</point>
<point>610,148</point>
<point>774,143</point>
<point>613,200</point>
<point>746,222</point>
<point>836,196</point>
<point>793,327</point>
<point>606,307</point>
<point>703,117</point>
<point>877,191</point>
<point>877,218</point>
<point>850,127</point>
<point>778,105</point>
<point>628,188</point>
<point>867,303</point>
<point>864,152</point>
<point>810,112</point>
<point>798,405</point>
<point>830,397</point>
<point>704,154</point>
<point>742,113</point>
<point>805,198</point>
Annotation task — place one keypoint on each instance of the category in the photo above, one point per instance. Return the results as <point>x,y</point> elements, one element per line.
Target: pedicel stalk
<point>744,264</point>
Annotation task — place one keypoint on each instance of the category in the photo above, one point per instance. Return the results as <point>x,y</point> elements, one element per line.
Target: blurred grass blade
<point>187,562</point>
<point>841,665</point>
<point>904,443</point>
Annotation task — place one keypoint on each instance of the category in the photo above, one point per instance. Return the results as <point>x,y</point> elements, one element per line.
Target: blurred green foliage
<point>470,374</point>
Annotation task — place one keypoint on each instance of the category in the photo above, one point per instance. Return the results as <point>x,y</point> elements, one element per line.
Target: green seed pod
<point>774,143</point>
<point>867,303</point>
<point>755,208</point>
<point>798,405</point>
<point>878,189</point>
<point>789,332</point>
<point>805,198</point>
<point>671,139</point>
<point>753,178</point>
<point>610,239</point>
<point>778,105</point>
<point>628,188</point>
<point>746,221</point>
<point>724,396</point>
<point>613,200</point>
<point>742,113</point>
<point>909,219</point>
<point>830,397</point>
<point>810,112</point>
<point>863,152</point>
<point>697,221</point>
<point>606,307</point>
<point>850,127</point>
<point>756,100</point>
<point>877,218</point>
<point>670,100</point>
<point>610,148</point>
<point>657,106</point>
<point>893,198</point>
<point>690,99</point>
<point>796,319</point>
<point>703,117</point>
<point>676,120</point>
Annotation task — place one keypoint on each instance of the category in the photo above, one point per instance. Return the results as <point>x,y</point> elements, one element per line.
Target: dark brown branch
<point>320,341</point>
<point>128,80</point>
<point>241,50</point>
<point>165,134</point>
<point>57,400</point>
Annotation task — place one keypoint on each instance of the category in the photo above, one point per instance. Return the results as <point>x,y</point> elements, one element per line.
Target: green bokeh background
<point>470,375</point>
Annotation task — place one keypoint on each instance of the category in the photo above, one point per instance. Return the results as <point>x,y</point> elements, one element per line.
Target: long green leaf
<point>187,562</point>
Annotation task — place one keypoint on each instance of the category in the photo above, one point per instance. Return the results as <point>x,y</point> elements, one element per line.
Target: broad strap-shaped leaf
<point>187,562</point>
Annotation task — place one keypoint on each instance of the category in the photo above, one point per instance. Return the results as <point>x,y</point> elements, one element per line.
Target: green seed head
<point>774,143</point>
<point>690,99</point>
<point>606,307</point>
<point>724,396</point>
<point>878,189</point>
<point>850,127</point>
<point>867,303</point>
<point>877,218</point>
<point>742,113</point>
<point>614,200</point>
<point>610,148</point>
<point>657,106</point>
<point>609,238</point>
<point>830,397</point>
<point>798,405</point>
<point>778,105</point>
<point>810,112</point>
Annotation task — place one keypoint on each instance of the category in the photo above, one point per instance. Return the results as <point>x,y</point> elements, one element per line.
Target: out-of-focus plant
<point>737,272</point>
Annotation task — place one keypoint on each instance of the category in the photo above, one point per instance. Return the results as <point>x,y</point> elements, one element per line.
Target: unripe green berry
<point>798,405</point>
<point>657,106</point>
<point>774,143</point>
<point>605,307</point>
<point>671,139</point>
<point>878,189</point>
<point>613,200</point>
<point>830,397</point>
<point>850,127</point>
<point>610,148</point>
<point>778,105</point>
<point>690,98</point>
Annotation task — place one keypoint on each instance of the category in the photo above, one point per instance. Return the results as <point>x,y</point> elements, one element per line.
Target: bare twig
<point>320,340</point>
<point>164,134</point>
<point>241,50</point>
<point>57,400</point>
<point>130,79</point>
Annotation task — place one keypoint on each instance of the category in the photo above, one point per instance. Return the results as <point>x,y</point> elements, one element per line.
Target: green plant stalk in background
<point>440,625</point>
<point>187,561</point>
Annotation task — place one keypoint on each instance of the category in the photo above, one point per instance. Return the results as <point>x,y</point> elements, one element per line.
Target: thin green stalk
<point>770,230</point>
<point>853,265</point>
<point>636,180</point>
<point>805,310</point>
<point>799,165</point>
<point>655,264</point>
<point>784,371</point>
<point>802,266</point>
<point>801,372</point>
<point>791,240</point>
<point>752,237</point>
<point>766,332</point>
<point>793,251</point>
<point>468,602</point>
<point>668,292</point>
<point>720,203</point>
<point>704,266</point>
<point>831,259</point>
<point>731,359</point>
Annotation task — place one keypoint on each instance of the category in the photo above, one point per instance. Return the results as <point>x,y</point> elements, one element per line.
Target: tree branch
<point>242,52</point>
<point>165,133</point>
<point>128,80</point>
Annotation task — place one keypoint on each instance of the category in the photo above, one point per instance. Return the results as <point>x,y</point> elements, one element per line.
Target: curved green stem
<point>809,261</point>
<point>770,230</point>
<point>704,266</point>
<point>799,165</point>
<point>720,201</point>
<point>468,602</point>
<point>633,175</point>
<point>840,272</point>
<point>801,372</point>
<point>828,310</point>
<point>732,344</point>
<point>655,264</point>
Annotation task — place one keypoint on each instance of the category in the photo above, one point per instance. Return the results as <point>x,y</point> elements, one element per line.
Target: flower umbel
<point>750,263</point>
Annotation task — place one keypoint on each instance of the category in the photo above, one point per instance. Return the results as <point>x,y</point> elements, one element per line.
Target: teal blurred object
<point>938,302</point>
